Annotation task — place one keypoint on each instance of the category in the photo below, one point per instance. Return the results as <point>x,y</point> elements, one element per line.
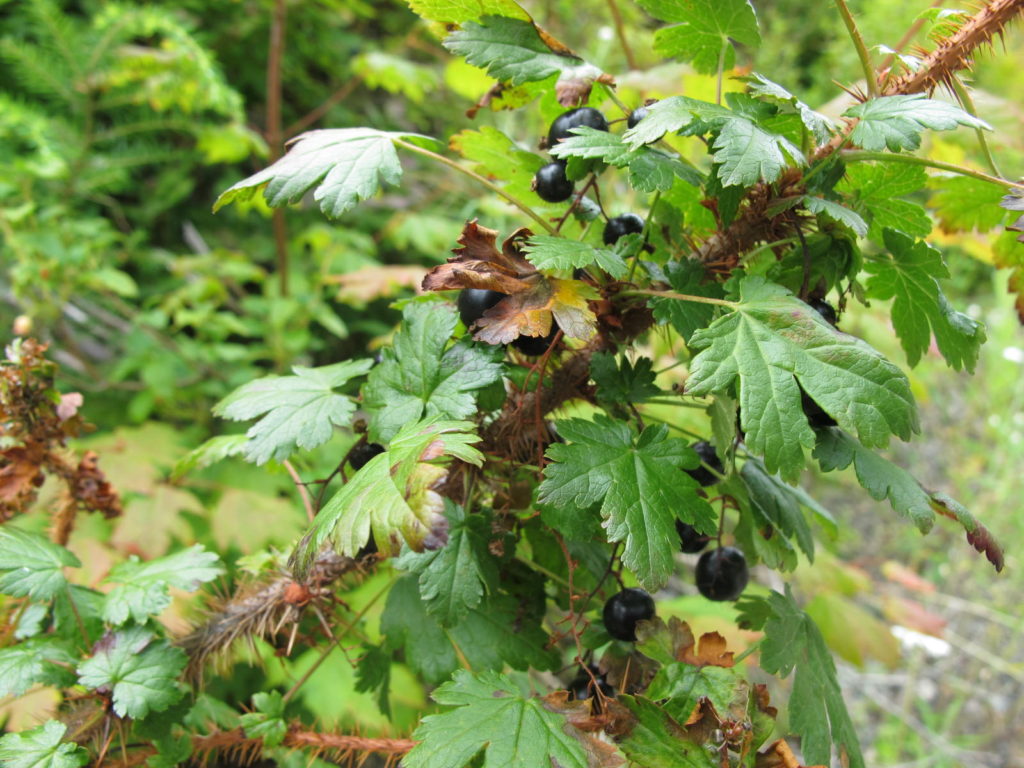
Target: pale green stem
<point>968,104</point>
<point>858,155</point>
<point>862,51</point>
<point>721,72</point>
<point>643,236</point>
<point>480,179</point>
<point>680,297</point>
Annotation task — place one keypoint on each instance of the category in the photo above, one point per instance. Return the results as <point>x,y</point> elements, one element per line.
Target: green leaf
<point>296,411</point>
<point>458,11</point>
<point>684,685</point>
<point>772,342</point>
<point>559,253</point>
<point>704,32</point>
<point>490,636</point>
<point>340,165</point>
<point>879,477</point>
<point>673,114</point>
<point>638,482</point>
<point>498,157</point>
<point>491,715</point>
<point>687,276</point>
<point>896,122</point>
<point>32,566</point>
<point>622,381</point>
<point>213,450</point>
<point>816,708</point>
<point>137,669</point>
<point>656,740</point>
<point>144,586</point>
<point>393,494</point>
<point>963,204</point>
<point>373,673</point>
<point>776,504</point>
<point>419,379</point>
<point>820,126</point>
<point>34,661</point>
<point>41,748</point>
<point>920,308</point>
<point>837,213</point>
<point>650,170</point>
<point>746,153</point>
<point>511,50</point>
<point>266,721</point>
<point>453,580</point>
<point>877,187</point>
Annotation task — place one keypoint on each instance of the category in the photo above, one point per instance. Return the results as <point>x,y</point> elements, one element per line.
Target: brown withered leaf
<point>779,755</point>
<point>92,490</point>
<point>710,652</point>
<point>382,281</point>
<point>585,728</point>
<point>20,472</point>
<point>574,85</point>
<point>533,301</point>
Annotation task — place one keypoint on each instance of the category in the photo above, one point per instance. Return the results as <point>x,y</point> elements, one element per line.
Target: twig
<point>620,30</point>
<point>480,179</point>
<point>679,297</point>
<point>274,135</point>
<point>859,155</point>
<point>301,487</point>
<point>858,43</point>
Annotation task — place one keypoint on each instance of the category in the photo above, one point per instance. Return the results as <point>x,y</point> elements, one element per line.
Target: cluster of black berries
<point>551,183</point>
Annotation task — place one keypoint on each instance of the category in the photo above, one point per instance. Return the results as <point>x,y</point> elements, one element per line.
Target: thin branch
<point>680,297</point>
<point>862,51</point>
<point>301,487</point>
<point>620,30</point>
<point>964,95</point>
<point>858,155</point>
<point>274,135</point>
<point>480,179</point>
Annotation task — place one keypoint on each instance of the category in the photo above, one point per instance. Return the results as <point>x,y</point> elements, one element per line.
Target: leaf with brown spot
<point>710,652</point>
<point>533,301</point>
<point>978,536</point>
<point>20,472</point>
<point>779,755</point>
<point>585,727</point>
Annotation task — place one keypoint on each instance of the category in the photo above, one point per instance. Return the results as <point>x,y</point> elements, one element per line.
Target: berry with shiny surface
<point>561,127</point>
<point>691,540</point>
<point>551,183</point>
<point>362,453</point>
<point>473,302</point>
<point>722,574</point>
<point>636,116</point>
<point>619,226</point>
<point>624,610</point>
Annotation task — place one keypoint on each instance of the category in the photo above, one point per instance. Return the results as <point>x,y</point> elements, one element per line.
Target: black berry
<point>370,548</point>
<point>473,302</point>
<point>534,346</point>
<point>814,413</point>
<point>722,574</point>
<point>691,540</point>
<point>636,116</point>
<point>362,453</point>
<point>826,310</point>
<point>562,126</point>
<point>582,687</point>
<point>624,610</point>
<point>551,183</point>
<point>708,457</point>
<point>617,227</point>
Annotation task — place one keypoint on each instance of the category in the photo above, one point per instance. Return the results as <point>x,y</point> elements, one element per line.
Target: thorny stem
<point>301,487</point>
<point>680,297</point>
<point>862,51</point>
<point>914,28</point>
<point>858,155</point>
<point>480,179</point>
<point>967,102</point>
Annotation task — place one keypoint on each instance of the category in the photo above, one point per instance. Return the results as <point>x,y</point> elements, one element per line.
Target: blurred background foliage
<point>120,123</point>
